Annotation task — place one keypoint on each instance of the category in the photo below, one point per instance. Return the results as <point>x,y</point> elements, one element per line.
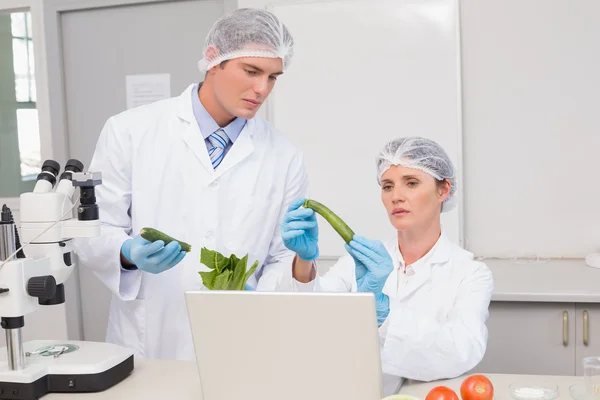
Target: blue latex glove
<point>248,287</point>
<point>373,263</point>
<point>152,257</point>
<point>300,231</point>
<point>373,267</point>
<point>382,306</point>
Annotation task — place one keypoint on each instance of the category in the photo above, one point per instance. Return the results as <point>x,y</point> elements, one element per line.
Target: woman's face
<point>412,197</point>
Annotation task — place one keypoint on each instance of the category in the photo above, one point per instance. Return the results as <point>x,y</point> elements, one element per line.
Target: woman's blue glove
<point>300,231</point>
<point>382,306</point>
<point>373,267</point>
<point>248,287</point>
<point>373,263</point>
<point>153,257</point>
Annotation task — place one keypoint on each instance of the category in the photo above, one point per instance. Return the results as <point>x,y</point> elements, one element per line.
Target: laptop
<point>286,346</point>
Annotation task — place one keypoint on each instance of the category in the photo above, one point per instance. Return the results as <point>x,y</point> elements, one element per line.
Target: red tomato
<point>477,387</point>
<point>441,393</point>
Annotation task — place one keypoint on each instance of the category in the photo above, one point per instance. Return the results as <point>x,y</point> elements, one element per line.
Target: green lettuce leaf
<point>227,273</point>
<point>208,278</point>
<point>213,259</point>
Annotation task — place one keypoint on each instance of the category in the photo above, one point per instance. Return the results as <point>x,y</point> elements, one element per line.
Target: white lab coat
<point>438,310</point>
<point>157,173</point>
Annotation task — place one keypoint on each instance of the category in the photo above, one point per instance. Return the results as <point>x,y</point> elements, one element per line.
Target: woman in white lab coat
<point>432,297</point>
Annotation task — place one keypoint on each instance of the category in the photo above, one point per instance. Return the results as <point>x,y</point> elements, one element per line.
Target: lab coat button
<point>214,185</point>
<point>208,234</point>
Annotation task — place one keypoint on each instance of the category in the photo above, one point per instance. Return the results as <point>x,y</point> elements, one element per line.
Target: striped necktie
<point>218,140</point>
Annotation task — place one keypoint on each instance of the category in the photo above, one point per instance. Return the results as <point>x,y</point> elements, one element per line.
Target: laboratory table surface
<point>165,379</point>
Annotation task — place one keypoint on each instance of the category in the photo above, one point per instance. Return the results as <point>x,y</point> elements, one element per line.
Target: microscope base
<point>64,367</point>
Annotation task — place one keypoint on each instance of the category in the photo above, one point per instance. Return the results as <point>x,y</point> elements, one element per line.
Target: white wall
<point>531,127</point>
<point>312,102</point>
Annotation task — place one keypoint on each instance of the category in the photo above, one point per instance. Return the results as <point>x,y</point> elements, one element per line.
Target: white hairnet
<point>247,32</point>
<point>422,154</point>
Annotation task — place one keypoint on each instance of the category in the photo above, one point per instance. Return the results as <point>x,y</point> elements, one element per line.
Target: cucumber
<point>153,235</point>
<point>336,222</point>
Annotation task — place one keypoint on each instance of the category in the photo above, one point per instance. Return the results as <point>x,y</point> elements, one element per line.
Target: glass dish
<point>533,391</point>
<point>577,392</point>
<point>591,376</point>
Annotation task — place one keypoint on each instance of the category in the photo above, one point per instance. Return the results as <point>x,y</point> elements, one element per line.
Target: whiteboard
<point>365,72</point>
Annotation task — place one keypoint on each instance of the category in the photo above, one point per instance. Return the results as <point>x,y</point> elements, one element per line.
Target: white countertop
<point>501,385</point>
<point>553,281</point>
<point>150,379</point>
<point>162,379</point>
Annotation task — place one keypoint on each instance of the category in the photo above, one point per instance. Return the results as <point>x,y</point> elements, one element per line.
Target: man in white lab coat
<point>203,169</point>
<point>431,296</point>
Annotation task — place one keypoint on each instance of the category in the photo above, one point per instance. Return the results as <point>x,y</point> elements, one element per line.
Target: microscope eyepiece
<point>72,167</point>
<point>50,170</point>
<point>51,166</point>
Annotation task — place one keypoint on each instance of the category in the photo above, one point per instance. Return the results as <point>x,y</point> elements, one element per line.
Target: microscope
<point>32,275</point>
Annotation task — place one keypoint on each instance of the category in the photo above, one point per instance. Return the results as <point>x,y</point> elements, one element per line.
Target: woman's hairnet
<point>247,32</point>
<point>422,154</point>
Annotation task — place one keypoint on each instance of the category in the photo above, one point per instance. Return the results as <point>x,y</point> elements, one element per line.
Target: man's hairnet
<point>422,154</point>
<point>247,32</point>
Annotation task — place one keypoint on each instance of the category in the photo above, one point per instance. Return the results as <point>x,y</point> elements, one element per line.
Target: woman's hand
<point>373,267</point>
<point>373,264</point>
<point>300,231</point>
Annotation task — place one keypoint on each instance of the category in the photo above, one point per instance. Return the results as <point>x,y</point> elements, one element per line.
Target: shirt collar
<point>439,253</point>
<point>208,125</point>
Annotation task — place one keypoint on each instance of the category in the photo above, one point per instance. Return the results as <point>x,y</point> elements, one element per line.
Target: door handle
<point>586,328</point>
<point>565,331</point>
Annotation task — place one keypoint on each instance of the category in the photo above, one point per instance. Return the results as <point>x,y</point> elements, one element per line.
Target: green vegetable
<point>227,273</point>
<point>336,222</point>
<point>153,235</point>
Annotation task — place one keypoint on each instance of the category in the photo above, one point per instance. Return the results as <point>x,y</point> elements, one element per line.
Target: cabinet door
<point>527,338</point>
<point>587,332</point>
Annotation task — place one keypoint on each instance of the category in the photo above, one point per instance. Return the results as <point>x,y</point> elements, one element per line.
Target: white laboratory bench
<point>532,306</point>
<point>150,379</point>
<point>501,384</point>
<point>544,317</point>
<point>162,379</point>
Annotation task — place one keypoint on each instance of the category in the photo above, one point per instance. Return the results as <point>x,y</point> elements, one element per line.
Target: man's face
<point>243,84</point>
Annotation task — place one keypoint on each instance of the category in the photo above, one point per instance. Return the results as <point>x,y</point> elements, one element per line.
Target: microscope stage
<point>64,366</point>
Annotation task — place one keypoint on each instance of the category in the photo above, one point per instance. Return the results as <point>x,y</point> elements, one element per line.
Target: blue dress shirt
<point>208,125</point>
